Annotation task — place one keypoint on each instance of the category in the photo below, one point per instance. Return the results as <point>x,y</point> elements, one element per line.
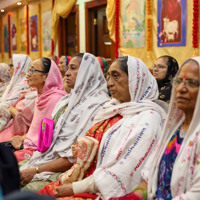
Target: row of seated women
<point>107,147</point>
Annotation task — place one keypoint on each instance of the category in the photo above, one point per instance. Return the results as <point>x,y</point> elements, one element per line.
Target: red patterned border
<point>27,29</point>
<point>9,39</point>
<point>117,4</point>
<point>148,26</point>
<point>195,23</point>
<point>52,42</point>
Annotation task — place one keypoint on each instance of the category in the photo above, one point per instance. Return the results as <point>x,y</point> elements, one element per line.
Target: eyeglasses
<point>32,70</point>
<point>189,82</point>
<point>158,66</point>
<point>114,77</point>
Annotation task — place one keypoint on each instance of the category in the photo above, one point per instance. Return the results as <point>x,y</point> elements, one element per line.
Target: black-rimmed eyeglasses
<point>189,82</point>
<point>158,67</point>
<point>32,70</point>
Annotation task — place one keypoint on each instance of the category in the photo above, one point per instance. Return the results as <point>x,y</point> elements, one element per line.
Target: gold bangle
<point>37,170</point>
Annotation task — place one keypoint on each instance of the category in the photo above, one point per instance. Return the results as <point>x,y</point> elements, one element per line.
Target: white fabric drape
<point>83,103</point>
<point>127,144</point>
<point>185,181</point>
<point>21,65</point>
<point>16,86</point>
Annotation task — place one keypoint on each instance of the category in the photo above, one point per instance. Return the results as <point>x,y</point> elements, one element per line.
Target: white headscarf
<point>16,86</point>
<point>4,72</point>
<point>21,65</point>
<point>127,144</point>
<point>185,178</point>
<point>83,103</point>
<point>4,77</point>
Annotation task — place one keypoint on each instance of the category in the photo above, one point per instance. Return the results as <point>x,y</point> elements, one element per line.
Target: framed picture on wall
<point>133,20</point>
<point>46,30</point>
<point>171,16</point>
<point>34,32</point>
<point>14,36</point>
<point>0,38</point>
<point>23,41</point>
<point>5,34</point>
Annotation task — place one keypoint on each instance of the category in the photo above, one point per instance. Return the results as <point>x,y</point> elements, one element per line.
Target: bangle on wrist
<point>143,190</point>
<point>37,170</point>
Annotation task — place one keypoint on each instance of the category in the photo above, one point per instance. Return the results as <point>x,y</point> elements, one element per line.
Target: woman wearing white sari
<point>4,78</point>
<point>125,146</point>
<point>172,171</point>
<point>73,116</point>
<point>17,84</point>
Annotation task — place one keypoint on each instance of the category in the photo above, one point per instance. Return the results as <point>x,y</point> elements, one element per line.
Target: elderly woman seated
<point>63,64</point>
<point>73,116</point>
<point>5,77</point>
<point>172,171</point>
<point>126,143</point>
<point>45,76</point>
<point>16,86</point>
<point>164,70</point>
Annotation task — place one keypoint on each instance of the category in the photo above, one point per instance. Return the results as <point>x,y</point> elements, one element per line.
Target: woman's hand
<point>64,190</point>
<point>13,111</point>
<point>26,176</point>
<point>17,141</point>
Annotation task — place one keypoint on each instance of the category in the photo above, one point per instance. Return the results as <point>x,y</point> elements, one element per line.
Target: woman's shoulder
<point>150,117</point>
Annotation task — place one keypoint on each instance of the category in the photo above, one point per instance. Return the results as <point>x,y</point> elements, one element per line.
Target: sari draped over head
<point>165,85</point>
<point>4,72</point>
<point>82,104</point>
<point>44,104</point>
<point>185,183</point>
<point>104,65</point>
<point>5,78</point>
<point>126,146</point>
<point>68,58</point>
<point>17,84</point>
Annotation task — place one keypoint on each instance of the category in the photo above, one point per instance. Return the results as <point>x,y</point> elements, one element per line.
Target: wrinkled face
<point>160,68</point>
<point>62,65</point>
<point>36,79</point>
<point>186,95</point>
<point>117,81</point>
<point>72,72</point>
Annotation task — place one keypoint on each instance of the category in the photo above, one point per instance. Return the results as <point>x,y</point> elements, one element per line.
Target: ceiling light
<point>2,10</point>
<point>19,3</point>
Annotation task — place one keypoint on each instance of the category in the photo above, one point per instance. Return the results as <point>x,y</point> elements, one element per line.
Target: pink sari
<point>45,103</point>
<point>20,124</point>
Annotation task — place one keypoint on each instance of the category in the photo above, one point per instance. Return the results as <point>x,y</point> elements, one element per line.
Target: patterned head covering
<point>17,84</point>
<point>83,103</point>
<point>164,85</point>
<point>68,58</point>
<point>119,165</point>
<point>104,65</point>
<point>4,72</point>
<point>4,77</point>
<point>172,68</point>
<point>15,87</point>
<point>188,157</point>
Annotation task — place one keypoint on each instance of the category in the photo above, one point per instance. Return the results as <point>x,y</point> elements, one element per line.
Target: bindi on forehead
<point>185,75</point>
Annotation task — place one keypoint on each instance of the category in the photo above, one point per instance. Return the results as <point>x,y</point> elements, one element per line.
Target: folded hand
<point>26,176</point>
<point>64,190</point>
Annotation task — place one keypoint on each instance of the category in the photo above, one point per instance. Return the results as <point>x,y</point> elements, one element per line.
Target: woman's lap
<point>35,186</point>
